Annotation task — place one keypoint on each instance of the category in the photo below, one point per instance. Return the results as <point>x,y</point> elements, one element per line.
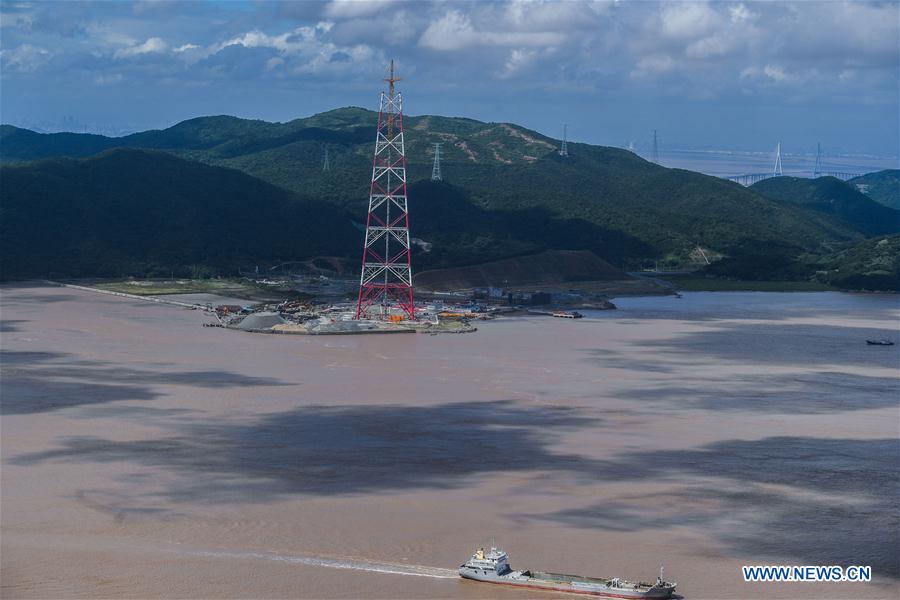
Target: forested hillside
<point>506,192</point>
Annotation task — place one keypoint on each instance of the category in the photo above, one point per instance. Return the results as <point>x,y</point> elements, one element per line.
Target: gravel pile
<point>261,320</point>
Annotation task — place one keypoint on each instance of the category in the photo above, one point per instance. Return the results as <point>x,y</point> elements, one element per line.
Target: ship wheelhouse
<point>495,560</point>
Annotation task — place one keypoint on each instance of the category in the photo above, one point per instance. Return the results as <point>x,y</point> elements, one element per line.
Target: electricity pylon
<point>436,169</point>
<point>386,276</point>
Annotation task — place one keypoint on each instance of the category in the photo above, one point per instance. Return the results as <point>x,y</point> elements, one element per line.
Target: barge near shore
<point>493,567</point>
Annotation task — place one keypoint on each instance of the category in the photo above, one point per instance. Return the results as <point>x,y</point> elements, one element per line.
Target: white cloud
<point>519,59</point>
<point>688,20</point>
<point>749,72</point>
<point>289,43</point>
<point>153,45</point>
<point>356,8</point>
<point>25,58</point>
<point>306,50</point>
<point>450,32</point>
<point>454,31</point>
<point>739,13</point>
<point>721,47</point>
<point>777,73</point>
<point>553,15</point>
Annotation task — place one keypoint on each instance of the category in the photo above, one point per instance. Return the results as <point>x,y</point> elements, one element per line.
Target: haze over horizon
<point>730,75</point>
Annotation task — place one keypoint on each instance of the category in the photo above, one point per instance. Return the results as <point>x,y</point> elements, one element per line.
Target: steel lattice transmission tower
<point>386,277</point>
<point>564,147</point>
<point>436,169</point>
<point>655,156</point>
<point>326,164</point>
<point>778,170</point>
<point>817,170</point>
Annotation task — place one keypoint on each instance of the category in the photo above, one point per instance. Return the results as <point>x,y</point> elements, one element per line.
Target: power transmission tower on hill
<point>326,164</point>
<point>564,147</point>
<point>655,156</point>
<point>817,170</point>
<point>436,169</point>
<point>386,276</point>
<point>778,168</point>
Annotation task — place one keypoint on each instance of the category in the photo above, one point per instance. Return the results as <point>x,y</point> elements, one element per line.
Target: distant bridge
<point>751,178</point>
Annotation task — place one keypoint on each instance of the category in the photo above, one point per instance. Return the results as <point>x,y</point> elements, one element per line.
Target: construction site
<point>319,301</point>
<point>334,296</point>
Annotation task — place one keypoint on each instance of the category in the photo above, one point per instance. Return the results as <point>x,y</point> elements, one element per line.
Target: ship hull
<point>542,584</point>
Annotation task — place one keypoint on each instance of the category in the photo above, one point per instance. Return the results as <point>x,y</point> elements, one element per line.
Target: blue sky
<point>734,75</point>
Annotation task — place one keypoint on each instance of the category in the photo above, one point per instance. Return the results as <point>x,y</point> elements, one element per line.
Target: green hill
<point>833,197</point>
<point>506,193</point>
<point>882,187</point>
<point>870,265</point>
<point>146,212</point>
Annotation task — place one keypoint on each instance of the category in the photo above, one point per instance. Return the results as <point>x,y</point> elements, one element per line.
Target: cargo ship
<point>493,567</point>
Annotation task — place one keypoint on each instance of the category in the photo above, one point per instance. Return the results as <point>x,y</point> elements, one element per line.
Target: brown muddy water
<point>145,456</point>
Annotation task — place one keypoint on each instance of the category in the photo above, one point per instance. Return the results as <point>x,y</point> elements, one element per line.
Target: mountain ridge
<point>507,191</point>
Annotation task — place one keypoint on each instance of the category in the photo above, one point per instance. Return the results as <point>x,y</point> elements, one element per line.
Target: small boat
<point>493,567</point>
<point>880,342</point>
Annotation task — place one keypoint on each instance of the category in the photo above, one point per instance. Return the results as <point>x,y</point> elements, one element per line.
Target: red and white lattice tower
<point>386,278</point>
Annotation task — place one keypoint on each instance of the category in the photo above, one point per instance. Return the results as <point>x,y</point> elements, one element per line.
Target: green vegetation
<point>507,193</point>
<point>882,187</point>
<point>240,288</point>
<point>870,265</point>
<point>133,212</point>
<point>834,197</point>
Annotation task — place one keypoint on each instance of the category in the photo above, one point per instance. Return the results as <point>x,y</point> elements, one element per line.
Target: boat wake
<point>354,565</point>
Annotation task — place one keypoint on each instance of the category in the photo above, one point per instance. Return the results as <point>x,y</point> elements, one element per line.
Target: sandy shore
<point>145,456</point>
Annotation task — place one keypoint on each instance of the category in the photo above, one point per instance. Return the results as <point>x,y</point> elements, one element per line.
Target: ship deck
<point>562,577</point>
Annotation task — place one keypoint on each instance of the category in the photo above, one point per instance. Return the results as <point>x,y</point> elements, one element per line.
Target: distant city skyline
<point>723,75</point>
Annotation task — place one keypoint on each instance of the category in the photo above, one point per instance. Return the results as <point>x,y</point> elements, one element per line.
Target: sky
<point>706,75</point>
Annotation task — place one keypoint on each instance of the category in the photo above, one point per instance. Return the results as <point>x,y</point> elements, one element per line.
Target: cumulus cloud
<point>454,31</point>
<point>153,45</point>
<point>519,59</point>
<point>356,8</point>
<point>670,50</point>
<point>304,50</point>
<point>688,20</point>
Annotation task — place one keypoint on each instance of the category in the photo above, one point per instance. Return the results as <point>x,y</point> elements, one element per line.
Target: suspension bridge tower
<point>385,282</point>
<point>778,170</point>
